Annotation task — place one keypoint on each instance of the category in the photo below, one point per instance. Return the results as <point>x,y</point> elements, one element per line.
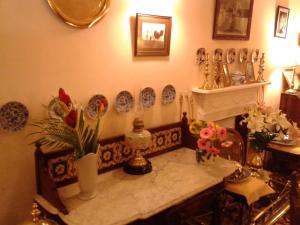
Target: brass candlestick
<point>218,76</point>
<point>206,85</point>
<point>260,77</point>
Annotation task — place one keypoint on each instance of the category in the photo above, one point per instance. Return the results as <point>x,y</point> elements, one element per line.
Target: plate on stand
<point>93,106</point>
<point>284,142</point>
<point>55,110</point>
<point>147,97</point>
<point>168,94</point>
<point>13,116</point>
<point>124,101</point>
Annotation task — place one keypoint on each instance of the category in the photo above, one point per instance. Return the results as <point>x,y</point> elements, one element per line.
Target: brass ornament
<point>206,84</point>
<point>36,220</point>
<point>139,139</point>
<point>81,14</point>
<point>218,74</point>
<point>260,77</point>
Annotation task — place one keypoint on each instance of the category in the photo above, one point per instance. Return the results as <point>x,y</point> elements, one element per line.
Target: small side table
<point>284,158</point>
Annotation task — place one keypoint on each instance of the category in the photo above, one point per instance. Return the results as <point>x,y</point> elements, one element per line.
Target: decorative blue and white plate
<point>55,110</point>
<point>93,106</point>
<point>147,97</point>
<point>124,101</point>
<point>168,94</point>
<point>13,116</point>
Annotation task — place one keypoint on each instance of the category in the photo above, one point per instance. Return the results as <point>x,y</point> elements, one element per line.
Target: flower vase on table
<point>255,162</point>
<point>257,143</point>
<point>202,156</point>
<point>257,159</point>
<point>87,172</point>
<point>69,130</point>
<point>209,137</point>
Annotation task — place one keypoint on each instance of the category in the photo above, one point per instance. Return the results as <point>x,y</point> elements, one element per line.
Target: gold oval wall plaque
<point>80,13</point>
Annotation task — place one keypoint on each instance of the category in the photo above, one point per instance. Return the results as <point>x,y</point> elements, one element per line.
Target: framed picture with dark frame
<point>232,19</point>
<point>281,23</point>
<point>153,35</point>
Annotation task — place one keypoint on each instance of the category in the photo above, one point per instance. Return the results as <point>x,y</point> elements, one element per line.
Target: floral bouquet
<point>265,124</point>
<point>69,129</point>
<point>210,137</point>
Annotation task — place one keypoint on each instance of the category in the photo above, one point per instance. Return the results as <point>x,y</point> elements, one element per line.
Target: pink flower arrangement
<point>209,137</point>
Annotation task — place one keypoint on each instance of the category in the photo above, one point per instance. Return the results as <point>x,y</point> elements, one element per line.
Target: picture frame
<point>281,22</point>
<point>153,35</point>
<point>232,20</point>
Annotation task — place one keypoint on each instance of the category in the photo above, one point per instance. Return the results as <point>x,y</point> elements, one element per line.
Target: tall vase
<point>87,172</point>
<point>255,161</point>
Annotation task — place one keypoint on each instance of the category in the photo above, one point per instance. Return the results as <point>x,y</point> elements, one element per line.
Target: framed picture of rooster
<point>153,35</point>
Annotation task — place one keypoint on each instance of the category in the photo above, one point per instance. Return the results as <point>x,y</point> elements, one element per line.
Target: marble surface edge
<point>123,198</point>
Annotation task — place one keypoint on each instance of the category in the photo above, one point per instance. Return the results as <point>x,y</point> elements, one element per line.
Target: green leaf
<point>55,133</point>
<point>81,122</point>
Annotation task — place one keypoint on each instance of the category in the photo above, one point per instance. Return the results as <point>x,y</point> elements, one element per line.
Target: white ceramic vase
<point>87,172</point>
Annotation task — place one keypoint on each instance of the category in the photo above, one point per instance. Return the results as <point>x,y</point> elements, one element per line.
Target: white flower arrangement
<point>265,124</point>
<point>261,118</point>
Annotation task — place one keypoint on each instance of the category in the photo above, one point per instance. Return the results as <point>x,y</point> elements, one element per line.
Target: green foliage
<point>55,133</point>
<point>261,140</point>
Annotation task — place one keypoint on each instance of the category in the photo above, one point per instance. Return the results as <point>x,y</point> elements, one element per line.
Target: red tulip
<point>64,97</point>
<point>71,118</point>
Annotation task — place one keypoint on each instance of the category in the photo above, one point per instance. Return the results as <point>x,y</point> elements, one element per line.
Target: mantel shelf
<point>229,89</point>
<point>224,103</point>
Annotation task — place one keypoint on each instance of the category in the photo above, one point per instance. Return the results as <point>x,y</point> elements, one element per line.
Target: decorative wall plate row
<point>125,101</point>
<point>13,116</point>
<point>56,111</point>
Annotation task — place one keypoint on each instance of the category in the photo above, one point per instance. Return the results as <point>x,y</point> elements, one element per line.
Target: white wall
<point>39,54</point>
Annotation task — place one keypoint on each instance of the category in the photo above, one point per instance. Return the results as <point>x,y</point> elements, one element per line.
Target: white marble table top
<point>123,198</point>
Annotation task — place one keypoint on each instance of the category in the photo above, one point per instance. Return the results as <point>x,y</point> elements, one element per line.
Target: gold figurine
<point>260,77</point>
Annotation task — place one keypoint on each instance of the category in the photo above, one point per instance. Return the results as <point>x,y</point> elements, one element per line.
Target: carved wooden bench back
<point>113,153</point>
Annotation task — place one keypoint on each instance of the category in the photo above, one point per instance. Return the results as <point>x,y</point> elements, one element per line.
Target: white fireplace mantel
<point>222,103</point>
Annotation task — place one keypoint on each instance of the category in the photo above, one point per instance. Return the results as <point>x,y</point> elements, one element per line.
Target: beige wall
<point>39,54</point>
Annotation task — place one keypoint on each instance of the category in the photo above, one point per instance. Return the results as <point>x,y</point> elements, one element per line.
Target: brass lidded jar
<point>138,139</point>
